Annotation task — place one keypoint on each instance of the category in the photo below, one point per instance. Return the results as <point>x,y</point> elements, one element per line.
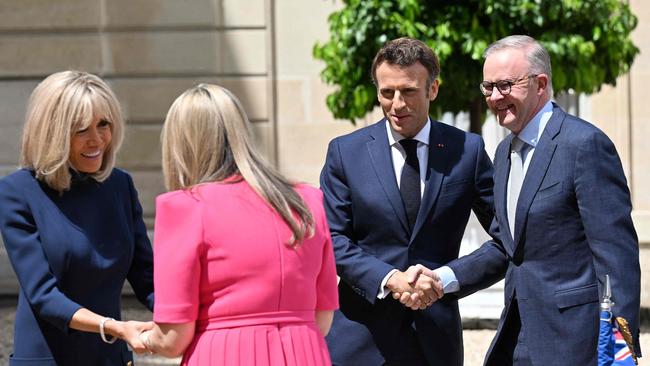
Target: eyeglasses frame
<point>509,83</point>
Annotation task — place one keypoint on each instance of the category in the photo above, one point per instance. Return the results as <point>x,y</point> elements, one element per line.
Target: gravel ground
<point>476,341</point>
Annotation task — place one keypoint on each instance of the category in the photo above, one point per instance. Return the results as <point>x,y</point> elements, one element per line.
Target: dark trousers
<point>511,348</point>
<point>410,353</point>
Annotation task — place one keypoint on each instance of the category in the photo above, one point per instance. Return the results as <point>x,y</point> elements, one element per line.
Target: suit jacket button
<point>129,363</point>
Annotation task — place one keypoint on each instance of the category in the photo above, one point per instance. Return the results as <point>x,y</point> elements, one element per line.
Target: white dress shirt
<point>533,132</point>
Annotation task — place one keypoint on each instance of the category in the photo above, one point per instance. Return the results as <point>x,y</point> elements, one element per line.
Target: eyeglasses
<point>503,86</point>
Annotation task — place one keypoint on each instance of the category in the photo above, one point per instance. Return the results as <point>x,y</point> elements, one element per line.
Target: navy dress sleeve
<point>23,243</point>
<point>140,274</point>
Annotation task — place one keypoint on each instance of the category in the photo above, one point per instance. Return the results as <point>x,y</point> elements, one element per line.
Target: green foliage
<point>588,40</point>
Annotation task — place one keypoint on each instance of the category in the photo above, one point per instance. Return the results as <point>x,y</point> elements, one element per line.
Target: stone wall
<point>149,51</point>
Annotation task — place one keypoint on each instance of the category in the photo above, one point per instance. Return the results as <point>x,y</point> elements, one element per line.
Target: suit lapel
<point>382,163</point>
<point>537,170</point>
<point>501,171</point>
<point>436,166</point>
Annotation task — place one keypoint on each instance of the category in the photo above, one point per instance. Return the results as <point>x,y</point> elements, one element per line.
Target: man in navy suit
<point>399,193</point>
<point>563,213</point>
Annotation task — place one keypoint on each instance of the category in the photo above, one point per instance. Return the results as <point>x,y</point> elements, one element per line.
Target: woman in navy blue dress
<point>72,226</point>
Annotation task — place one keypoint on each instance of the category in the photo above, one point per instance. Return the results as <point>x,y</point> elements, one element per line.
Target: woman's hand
<point>131,333</point>
<point>87,321</point>
<point>146,342</point>
<point>168,340</point>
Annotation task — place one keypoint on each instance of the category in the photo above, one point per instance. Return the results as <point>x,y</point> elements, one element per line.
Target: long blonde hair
<point>206,138</point>
<point>61,104</point>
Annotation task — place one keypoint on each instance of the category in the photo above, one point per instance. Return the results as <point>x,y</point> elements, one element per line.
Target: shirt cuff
<point>383,291</point>
<point>448,278</point>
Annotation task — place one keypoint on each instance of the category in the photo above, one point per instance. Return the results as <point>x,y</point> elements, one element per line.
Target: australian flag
<point>622,354</point>
<point>612,348</point>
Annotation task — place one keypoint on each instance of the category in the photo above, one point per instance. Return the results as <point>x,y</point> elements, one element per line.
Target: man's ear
<point>542,84</point>
<point>433,90</point>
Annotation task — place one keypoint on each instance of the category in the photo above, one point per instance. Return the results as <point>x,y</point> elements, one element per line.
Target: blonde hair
<point>62,104</point>
<point>206,138</point>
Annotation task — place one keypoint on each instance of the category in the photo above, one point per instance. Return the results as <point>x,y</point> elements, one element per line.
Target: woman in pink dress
<point>244,269</point>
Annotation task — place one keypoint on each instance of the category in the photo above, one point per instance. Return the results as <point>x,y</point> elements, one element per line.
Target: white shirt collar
<point>422,136</point>
<point>534,129</point>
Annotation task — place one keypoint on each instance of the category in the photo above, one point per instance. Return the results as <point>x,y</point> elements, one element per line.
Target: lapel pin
<point>440,145</point>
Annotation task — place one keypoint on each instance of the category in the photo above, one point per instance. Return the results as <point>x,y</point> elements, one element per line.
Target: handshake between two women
<point>417,288</point>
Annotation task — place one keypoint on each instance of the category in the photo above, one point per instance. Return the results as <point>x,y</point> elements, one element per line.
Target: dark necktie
<point>409,185</point>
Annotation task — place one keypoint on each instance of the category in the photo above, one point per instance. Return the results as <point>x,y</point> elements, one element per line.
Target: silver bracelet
<point>101,331</point>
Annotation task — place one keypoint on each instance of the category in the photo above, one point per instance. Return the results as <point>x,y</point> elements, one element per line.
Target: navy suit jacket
<point>573,226</point>
<point>371,236</point>
<point>70,251</point>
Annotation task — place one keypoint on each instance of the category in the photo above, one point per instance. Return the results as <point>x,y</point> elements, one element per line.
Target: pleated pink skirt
<point>293,344</point>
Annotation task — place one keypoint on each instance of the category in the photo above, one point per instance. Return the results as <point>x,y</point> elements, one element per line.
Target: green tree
<point>588,40</point>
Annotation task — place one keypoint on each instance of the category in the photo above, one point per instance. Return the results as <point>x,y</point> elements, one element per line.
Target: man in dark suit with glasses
<point>563,213</point>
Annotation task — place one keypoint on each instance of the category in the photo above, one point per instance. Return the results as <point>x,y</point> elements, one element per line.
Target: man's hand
<point>427,283</point>
<point>425,288</point>
<point>404,291</point>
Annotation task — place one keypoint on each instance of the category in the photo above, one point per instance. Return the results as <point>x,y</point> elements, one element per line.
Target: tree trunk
<point>476,115</point>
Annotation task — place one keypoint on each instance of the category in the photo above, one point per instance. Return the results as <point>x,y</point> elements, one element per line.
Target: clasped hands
<point>132,333</point>
<point>417,288</point>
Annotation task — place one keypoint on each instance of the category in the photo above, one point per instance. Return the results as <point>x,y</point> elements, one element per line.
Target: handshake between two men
<point>417,288</point>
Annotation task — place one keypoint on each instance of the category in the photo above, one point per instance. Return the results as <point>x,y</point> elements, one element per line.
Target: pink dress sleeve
<point>178,238</point>
<point>326,284</point>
